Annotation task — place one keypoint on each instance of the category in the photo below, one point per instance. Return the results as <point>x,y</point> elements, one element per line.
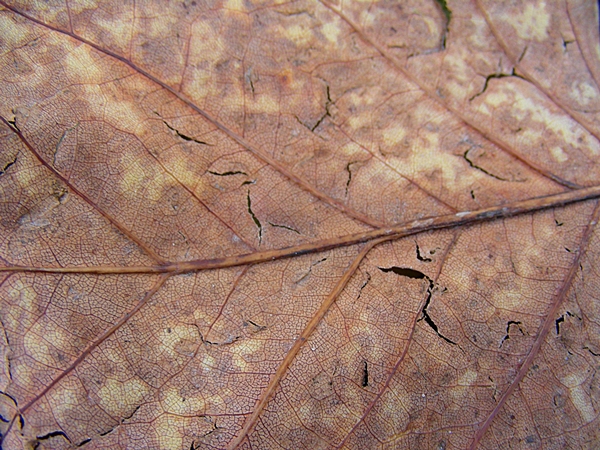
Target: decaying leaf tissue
<point>324,224</point>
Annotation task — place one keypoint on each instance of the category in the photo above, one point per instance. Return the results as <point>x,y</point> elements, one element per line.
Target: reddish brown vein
<point>389,233</point>
<point>579,118</point>
<point>266,395</point>
<point>400,359</point>
<point>304,184</point>
<point>547,325</point>
<point>436,98</point>
<point>91,347</point>
<point>84,197</point>
<point>587,43</point>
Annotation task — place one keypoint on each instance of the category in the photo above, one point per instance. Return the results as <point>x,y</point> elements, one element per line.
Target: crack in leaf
<point>414,227</point>
<point>566,42</point>
<point>418,275</point>
<point>438,96</point>
<point>285,227</point>
<point>254,218</point>
<point>507,335</point>
<point>367,280</point>
<point>309,270</point>
<point>365,377</point>
<point>183,136</point>
<point>496,76</point>
<point>227,174</point>
<point>60,141</point>
<point>420,257</point>
<point>215,429</point>
<point>448,16</point>
<point>258,327</point>
<point>13,124</point>
<point>475,166</point>
<point>328,103</point>
<point>7,166</point>
<point>522,55</point>
<point>53,434</point>
<point>349,170</point>
<point>562,319</point>
<point>489,214</point>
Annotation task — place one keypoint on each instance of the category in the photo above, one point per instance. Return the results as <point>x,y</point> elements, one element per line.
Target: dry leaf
<point>347,224</point>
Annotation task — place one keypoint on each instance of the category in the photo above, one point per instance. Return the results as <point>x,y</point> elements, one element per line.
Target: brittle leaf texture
<point>285,224</point>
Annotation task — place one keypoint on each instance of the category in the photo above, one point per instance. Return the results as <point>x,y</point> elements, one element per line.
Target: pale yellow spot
<point>357,121</point>
<point>574,379</point>
<point>126,115</point>
<point>434,142</point>
<point>583,403</point>
<point>363,98</point>
<point>37,349</point>
<point>208,362</point>
<point>174,402</point>
<point>484,109</point>
<point>119,397</point>
<point>562,125</point>
<point>82,5</point>
<point>23,295</point>
<point>25,178</point>
<point>510,300</point>
<point>171,337</point>
<point>496,98</point>
<point>456,90</point>
<point>432,25</point>
<point>244,348</point>
<point>391,136</point>
<point>133,179</point>
<point>235,5</point>
<point>580,398</point>
<point>266,104</point>
<point>467,378</point>
<point>64,400</point>
<point>13,34</point>
<point>559,154</point>
<point>481,28</point>
<point>215,401</point>
<point>189,178</point>
<point>164,23</point>
<point>167,429</point>
<point>205,40</point>
<point>584,93</point>
<point>200,315</point>
<point>137,182</point>
<point>299,34</point>
<point>331,31</point>
<point>460,71</point>
<point>206,47</point>
<point>79,61</point>
<point>463,384</point>
<point>571,132</point>
<point>42,343</point>
<point>24,374</point>
<point>531,23</point>
<point>368,18</point>
<point>202,83</point>
<point>118,29</point>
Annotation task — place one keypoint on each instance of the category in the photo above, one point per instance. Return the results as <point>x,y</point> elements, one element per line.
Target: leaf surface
<point>303,224</point>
